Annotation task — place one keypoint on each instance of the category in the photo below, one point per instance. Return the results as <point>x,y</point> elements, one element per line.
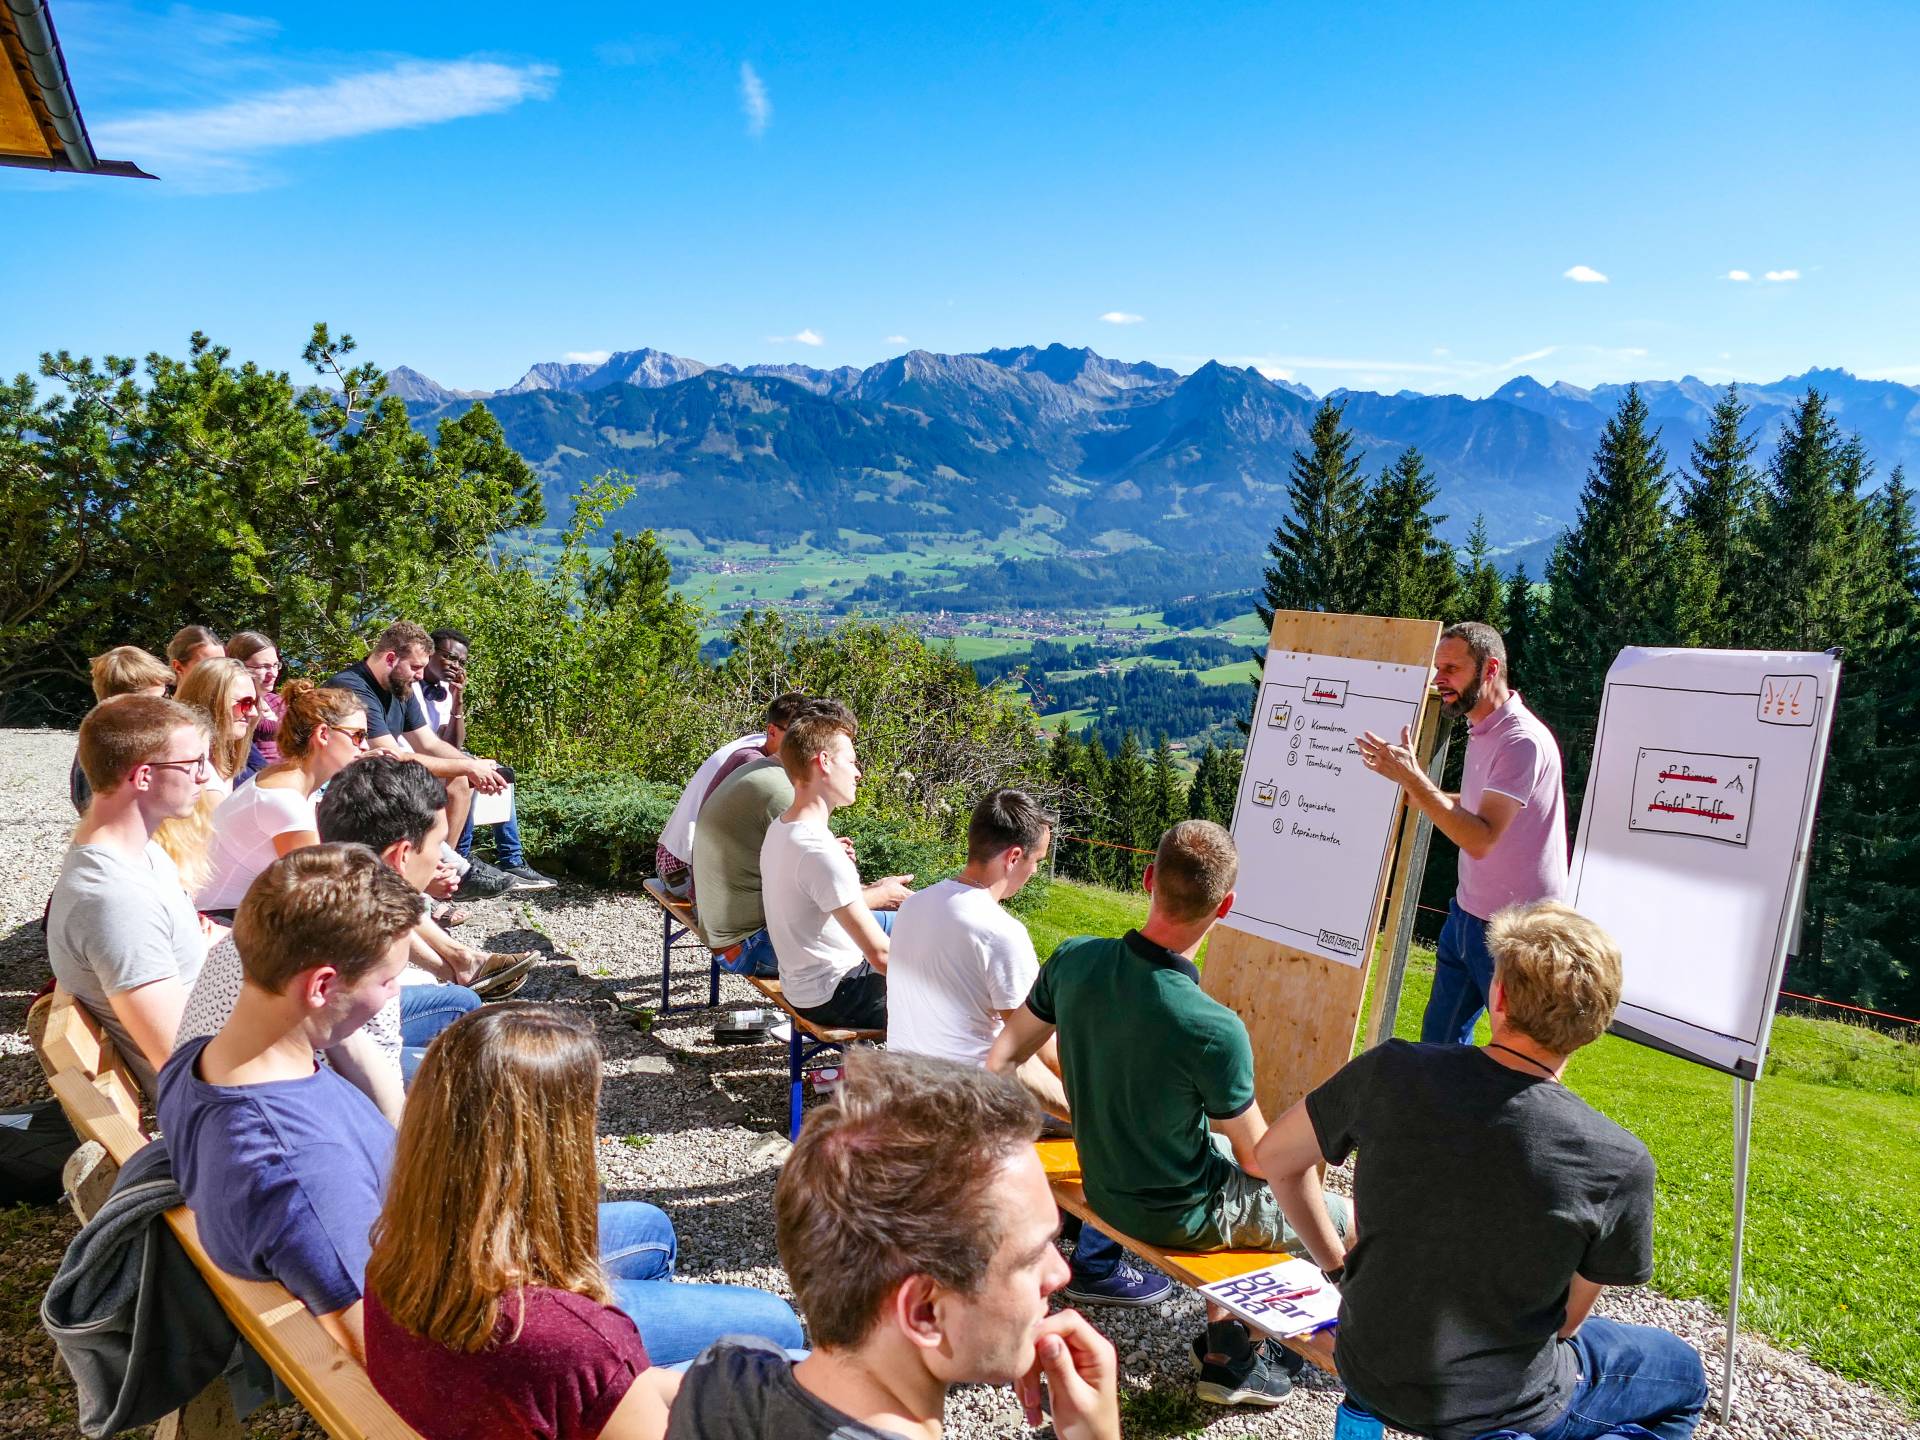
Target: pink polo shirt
<point>1512,753</point>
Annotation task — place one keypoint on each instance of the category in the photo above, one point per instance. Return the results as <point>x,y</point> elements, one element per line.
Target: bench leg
<point>713,984</point>
<point>796,1054</point>
<point>666,965</point>
<point>208,1416</point>
<point>88,1178</point>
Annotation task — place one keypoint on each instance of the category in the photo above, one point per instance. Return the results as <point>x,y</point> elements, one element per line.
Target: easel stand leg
<point>1742,1138</point>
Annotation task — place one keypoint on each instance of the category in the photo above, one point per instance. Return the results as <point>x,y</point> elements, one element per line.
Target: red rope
<point>1107,844</point>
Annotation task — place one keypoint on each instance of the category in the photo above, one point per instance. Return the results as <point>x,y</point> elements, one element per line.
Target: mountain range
<point>1096,453</point>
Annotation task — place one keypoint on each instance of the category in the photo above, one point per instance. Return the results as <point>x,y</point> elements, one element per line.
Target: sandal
<point>445,912</point>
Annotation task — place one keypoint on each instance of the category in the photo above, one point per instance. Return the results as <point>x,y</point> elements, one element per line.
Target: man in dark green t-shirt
<point>1159,1075</point>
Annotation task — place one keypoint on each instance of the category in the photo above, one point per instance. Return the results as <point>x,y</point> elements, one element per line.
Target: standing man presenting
<point>1509,818</point>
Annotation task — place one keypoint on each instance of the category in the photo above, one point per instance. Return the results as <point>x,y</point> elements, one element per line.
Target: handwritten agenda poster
<point>1314,825</point>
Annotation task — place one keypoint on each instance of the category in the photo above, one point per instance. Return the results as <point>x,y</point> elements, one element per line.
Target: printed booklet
<point>1291,1298</point>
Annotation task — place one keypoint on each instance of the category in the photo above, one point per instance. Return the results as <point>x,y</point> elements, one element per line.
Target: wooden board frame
<point>1302,1011</point>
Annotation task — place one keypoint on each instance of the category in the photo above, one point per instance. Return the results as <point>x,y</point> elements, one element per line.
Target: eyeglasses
<point>263,667</point>
<point>245,705</point>
<point>359,737</point>
<point>200,767</point>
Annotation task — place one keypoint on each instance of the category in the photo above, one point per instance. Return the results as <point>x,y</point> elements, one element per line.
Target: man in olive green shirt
<point>726,858</point>
<point>1159,1076</point>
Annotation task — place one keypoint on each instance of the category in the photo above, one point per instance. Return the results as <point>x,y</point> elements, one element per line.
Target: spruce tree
<point>1522,620</point>
<point>1130,811</point>
<point>1611,583</point>
<point>1408,570</point>
<point>1816,593</point>
<point>1318,550</point>
<point>1719,507</point>
<point>1482,596</point>
<point>1169,797</point>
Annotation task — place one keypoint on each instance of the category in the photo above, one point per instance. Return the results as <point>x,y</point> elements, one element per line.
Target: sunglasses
<point>359,737</point>
<point>245,705</point>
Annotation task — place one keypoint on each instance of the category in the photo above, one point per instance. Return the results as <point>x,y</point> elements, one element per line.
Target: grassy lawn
<point>1833,1197</point>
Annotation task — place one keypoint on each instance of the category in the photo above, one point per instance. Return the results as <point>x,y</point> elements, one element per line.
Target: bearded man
<point>1509,819</point>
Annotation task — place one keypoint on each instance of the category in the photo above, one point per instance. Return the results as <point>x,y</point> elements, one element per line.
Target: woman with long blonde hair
<point>501,1299</point>
<point>228,694</point>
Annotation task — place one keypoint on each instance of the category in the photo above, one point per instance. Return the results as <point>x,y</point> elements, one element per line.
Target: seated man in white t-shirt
<point>832,950</point>
<point>959,964</point>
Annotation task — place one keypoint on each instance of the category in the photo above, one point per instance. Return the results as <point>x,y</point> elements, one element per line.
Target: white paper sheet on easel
<point>1314,826</point>
<point>493,809</point>
<point>1705,774</point>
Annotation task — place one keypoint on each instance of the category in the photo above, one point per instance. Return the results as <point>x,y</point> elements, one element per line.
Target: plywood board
<point>1301,1008</point>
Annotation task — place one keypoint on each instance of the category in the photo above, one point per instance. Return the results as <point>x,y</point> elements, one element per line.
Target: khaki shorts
<point>1244,1215</point>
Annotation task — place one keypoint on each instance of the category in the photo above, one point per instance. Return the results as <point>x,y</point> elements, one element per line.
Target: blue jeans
<point>426,1010</point>
<point>1634,1381</point>
<point>677,1320</point>
<point>756,955</point>
<point>506,841</point>
<point>1462,979</point>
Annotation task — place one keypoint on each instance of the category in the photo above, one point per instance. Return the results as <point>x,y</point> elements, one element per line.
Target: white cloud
<point>1583,275</point>
<point>805,337</point>
<point>1738,275</point>
<point>1778,276</point>
<point>898,340</point>
<point>1122,317</point>
<point>753,100</point>
<point>587,357</point>
<point>205,147</point>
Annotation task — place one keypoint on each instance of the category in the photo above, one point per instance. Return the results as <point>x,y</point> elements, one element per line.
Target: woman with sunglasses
<point>322,732</point>
<point>223,688</point>
<point>262,659</point>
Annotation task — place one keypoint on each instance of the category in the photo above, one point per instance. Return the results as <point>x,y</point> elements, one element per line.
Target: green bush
<point>601,828</point>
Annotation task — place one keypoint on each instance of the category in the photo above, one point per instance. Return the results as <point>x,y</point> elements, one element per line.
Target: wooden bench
<point>680,922</point>
<point>805,1040</point>
<point>101,1102</point>
<point>1193,1268</point>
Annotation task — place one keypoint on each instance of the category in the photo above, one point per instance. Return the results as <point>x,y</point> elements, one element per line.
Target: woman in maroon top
<point>487,1310</point>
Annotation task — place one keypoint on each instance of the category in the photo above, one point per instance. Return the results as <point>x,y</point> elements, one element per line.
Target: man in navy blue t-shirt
<point>282,1161</point>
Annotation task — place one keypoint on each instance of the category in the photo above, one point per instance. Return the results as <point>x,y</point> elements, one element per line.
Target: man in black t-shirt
<point>1493,1205</point>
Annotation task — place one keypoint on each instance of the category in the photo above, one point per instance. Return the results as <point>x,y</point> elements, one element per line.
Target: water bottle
<point>1350,1422</point>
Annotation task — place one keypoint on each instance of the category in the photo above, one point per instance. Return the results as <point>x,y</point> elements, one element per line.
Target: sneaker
<point>1127,1285</point>
<point>527,878</point>
<point>501,974</point>
<point>482,882</point>
<point>1260,1375</point>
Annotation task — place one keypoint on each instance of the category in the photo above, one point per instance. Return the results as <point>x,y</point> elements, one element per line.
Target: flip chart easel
<point>1692,852</point>
<point>1300,997</point>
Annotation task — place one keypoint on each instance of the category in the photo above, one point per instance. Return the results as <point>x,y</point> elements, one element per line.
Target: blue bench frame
<point>671,938</point>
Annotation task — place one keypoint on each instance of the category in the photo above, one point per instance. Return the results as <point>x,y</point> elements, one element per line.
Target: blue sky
<point>1378,196</point>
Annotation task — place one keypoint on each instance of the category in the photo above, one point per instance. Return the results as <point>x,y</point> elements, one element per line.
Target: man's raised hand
<point>1082,1378</point>
<point>1396,762</point>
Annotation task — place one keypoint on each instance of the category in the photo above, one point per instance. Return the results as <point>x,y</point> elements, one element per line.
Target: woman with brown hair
<point>324,731</point>
<point>190,645</point>
<point>500,1298</point>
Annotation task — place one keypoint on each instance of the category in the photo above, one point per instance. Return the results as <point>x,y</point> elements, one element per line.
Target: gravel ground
<point>699,1130</point>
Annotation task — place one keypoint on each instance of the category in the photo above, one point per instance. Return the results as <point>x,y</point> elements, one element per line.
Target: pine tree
<point>1318,550</point>
<point>1522,620</point>
<point>1482,596</point>
<point>1611,582</point>
<point>1215,786</point>
<point>1130,811</point>
<point>1814,522</point>
<point>1408,570</point>
<point>1719,507</point>
<point>1169,799</point>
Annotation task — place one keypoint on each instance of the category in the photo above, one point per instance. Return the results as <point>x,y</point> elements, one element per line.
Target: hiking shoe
<point>483,881</point>
<point>1127,1285</point>
<point>502,974</point>
<point>1257,1375</point>
<point>527,878</point>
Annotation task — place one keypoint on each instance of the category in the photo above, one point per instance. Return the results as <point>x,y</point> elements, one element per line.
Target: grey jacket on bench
<point>135,1322</point>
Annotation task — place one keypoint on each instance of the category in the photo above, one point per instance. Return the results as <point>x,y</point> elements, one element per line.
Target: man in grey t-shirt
<point>122,937</point>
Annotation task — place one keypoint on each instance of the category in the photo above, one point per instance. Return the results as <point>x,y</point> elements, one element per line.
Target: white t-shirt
<point>677,834</point>
<point>244,827</point>
<point>956,959</point>
<point>805,876</point>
